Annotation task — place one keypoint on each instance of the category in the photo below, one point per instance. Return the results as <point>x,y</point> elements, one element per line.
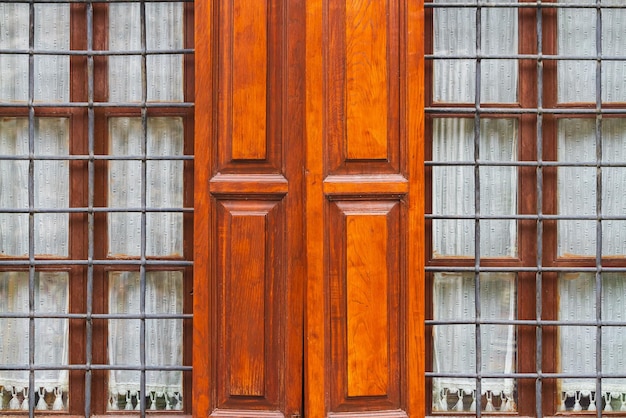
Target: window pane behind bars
<point>36,177</point>
<point>591,147</point>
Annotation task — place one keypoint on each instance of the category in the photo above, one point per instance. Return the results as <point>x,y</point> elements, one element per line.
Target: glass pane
<point>577,187</point>
<point>14,186</point>
<point>613,186</point>
<point>613,41</point>
<point>14,35</point>
<point>577,344</point>
<point>163,339</point>
<point>164,232</point>
<point>51,340</point>
<point>164,31</point>
<point>576,37</point>
<point>52,186</point>
<point>455,34</point>
<point>453,187</point>
<point>454,346</point>
<point>51,182</point>
<point>52,33</point>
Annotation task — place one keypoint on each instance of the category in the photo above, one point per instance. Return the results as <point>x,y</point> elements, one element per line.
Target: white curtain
<point>455,34</point>
<point>454,189</point>
<point>163,339</point>
<point>164,189</point>
<point>577,187</point>
<point>51,72</point>
<point>577,37</point>
<point>51,186</point>
<point>577,344</point>
<point>164,72</point>
<point>51,342</point>
<point>454,346</point>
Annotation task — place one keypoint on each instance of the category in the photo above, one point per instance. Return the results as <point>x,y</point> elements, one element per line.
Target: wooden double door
<point>308,264</point>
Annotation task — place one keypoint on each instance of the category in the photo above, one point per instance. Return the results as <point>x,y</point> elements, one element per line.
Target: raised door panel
<point>249,244</point>
<point>364,209</point>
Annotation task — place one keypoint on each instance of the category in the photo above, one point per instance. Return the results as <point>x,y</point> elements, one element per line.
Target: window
<point>96,180</point>
<point>526,111</point>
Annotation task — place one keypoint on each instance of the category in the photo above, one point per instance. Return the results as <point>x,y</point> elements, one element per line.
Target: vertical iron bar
<point>142,268</point>
<point>478,315</point>
<point>539,192</point>
<point>598,137</point>
<point>90,213</point>
<point>31,206</point>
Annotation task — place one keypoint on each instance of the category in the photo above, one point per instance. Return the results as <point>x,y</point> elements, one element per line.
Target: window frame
<point>537,259</point>
<point>88,112</point>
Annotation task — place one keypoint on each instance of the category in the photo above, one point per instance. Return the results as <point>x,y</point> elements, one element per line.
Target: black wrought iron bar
<point>95,53</point>
<point>523,5</point>
<point>583,110</point>
<point>144,182</point>
<point>31,217</point>
<point>113,105</point>
<point>90,213</point>
<point>598,258</point>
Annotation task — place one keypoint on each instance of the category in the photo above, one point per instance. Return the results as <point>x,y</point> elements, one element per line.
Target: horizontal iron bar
<point>92,367</point>
<point>92,1</point>
<point>524,5</point>
<point>530,217</point>
<point>87,105</point>
<point>538,375</point>
<point>36,315</point>
<point>103,262</point>
<point>473,110</point>
<point>534,57</point>
<point>543,163</point>
<point>96,157</point>
<point>527,322</point>
<point>97,210</point>
<point>97,53</point>
<point>506,269</point>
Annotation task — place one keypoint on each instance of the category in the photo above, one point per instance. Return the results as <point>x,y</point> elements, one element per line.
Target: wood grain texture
<point>248,282</point>
<point>245,305</point>
<point>202,390</point>
<point>366,80</point>
<point>249,88</point>
<point>366,311</point>
<point>249,238</point>
<point>352,184</point>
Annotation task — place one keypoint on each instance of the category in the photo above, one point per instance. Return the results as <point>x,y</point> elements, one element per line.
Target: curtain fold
<point>454,189</point>
<point>164,72</point>
<point>455,345</point>
<point>164,189</point>
<point>51,339</point>
<point>163,339</point>
<point>577,344</point>
<point>455,34</point>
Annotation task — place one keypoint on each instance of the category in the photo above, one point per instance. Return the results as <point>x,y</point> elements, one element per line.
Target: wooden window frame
<point>78,119</point>
<point>527,229</point>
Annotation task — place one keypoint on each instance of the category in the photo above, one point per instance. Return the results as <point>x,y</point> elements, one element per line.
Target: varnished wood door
<point>308,208</point>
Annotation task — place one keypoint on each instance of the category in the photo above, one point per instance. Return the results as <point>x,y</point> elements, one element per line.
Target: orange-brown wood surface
<point>249,72</point>
<point>364,209</point>
<point>309,209</point>
<point>366,79</point>
<point>249,205</point>
<point>367,308</point>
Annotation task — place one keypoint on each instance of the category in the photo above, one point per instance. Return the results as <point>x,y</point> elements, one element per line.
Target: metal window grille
<point>34,264</point>
<point>542,112</point>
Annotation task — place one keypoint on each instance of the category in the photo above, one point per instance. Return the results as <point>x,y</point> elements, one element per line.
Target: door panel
<point>249,282</point>
<point>364,307</point>
<point>309,172</point>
